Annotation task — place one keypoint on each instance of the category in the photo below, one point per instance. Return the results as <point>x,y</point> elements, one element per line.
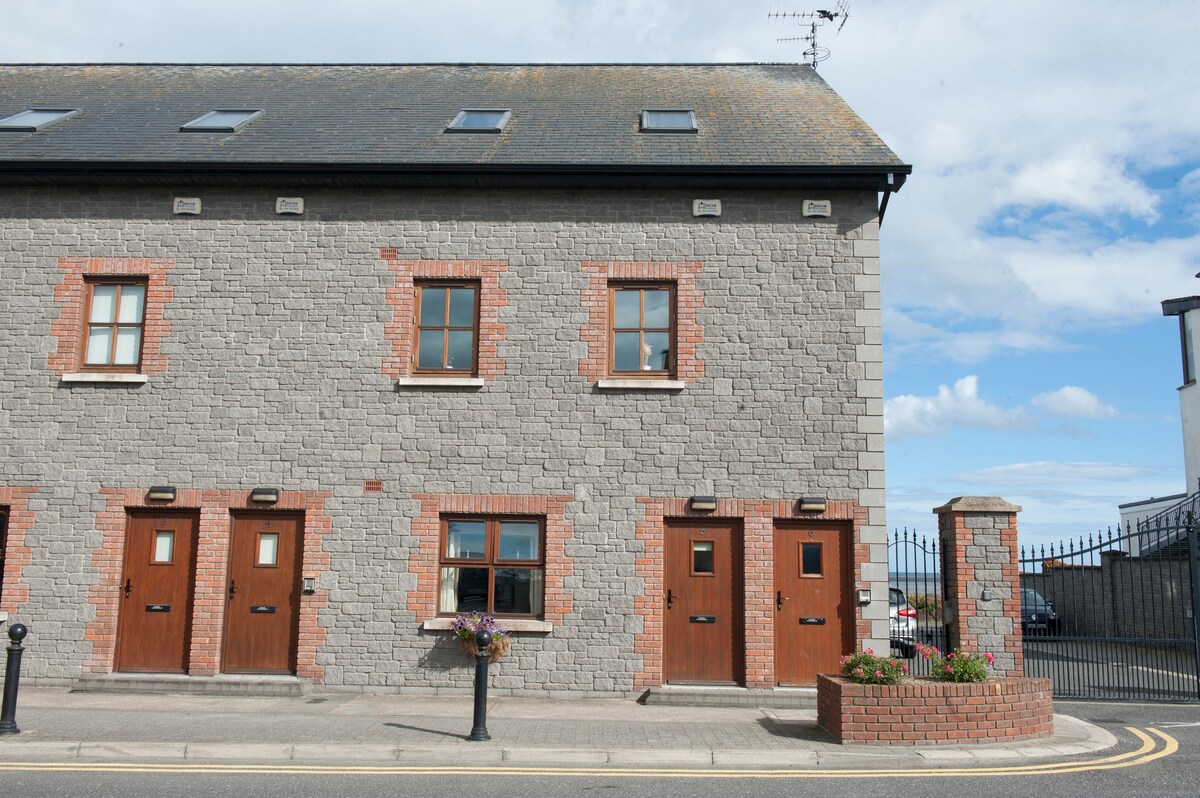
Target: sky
<point>1054,201</point>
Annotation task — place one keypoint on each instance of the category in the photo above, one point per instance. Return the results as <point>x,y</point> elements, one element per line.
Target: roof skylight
<point>669,121</point>
<point>222,121</point>
<point>36,119</point>
<point>479,121</point>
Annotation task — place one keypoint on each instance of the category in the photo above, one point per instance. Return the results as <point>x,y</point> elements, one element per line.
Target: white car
<point>903,618</point>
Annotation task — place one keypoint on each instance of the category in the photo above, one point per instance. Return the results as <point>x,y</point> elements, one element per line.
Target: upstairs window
<point>642,332</point>
<point>222,121</point>
<point>36,119</point>
<point>116,313</point>
<point>447,327</point>
<point>479,121</point>
<point>668,121</point>
<point>495,565</point>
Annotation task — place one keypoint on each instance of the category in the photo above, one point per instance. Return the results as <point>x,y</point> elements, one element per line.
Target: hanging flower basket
<point>466,625</point>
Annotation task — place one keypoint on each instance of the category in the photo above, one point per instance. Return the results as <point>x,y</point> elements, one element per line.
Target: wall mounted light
<point>265,495</point>
<point>703,503</point>
<point>308,585</point>
<point>161,493</point>
<point>864,595</point>
<point>812,504</point>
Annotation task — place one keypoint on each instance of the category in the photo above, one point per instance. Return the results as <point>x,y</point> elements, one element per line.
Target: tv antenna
<point>815,53</point>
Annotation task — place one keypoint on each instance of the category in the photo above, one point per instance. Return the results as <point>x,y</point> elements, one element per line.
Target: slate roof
<point>570,118</point>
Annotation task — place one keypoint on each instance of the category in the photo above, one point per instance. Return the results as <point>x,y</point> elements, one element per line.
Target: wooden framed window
<point>115,315</point>
<point>642,329</point>
<point>493,564</point>
<point>447,335</point>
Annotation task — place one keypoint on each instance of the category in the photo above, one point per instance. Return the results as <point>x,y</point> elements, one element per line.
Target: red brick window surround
<point>428,555</point>
<point>609,298</point>
<point>111,317</point>
<point>408,328</point>
<point>16,523</point>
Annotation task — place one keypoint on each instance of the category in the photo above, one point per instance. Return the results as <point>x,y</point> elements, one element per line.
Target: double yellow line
<point>1147,752</point>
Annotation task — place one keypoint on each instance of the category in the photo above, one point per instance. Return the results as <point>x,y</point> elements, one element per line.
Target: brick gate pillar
<point>981,579</point>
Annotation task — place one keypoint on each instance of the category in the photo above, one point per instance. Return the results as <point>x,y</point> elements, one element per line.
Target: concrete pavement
<point>430,730</point>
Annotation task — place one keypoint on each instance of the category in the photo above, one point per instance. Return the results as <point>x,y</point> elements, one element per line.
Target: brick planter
<point>929,712</point>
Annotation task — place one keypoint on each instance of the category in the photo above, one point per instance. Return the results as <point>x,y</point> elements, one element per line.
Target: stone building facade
<point>288,351</point>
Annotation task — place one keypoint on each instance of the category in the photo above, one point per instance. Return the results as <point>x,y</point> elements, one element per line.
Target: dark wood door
<point>702,603</point>
<point>812,602</point>
<point>263,593</point>
<point>157,585</point>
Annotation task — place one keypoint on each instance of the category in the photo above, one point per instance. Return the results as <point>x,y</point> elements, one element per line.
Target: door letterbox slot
<point>262,609</point>
<point>812,621</point>
<point>702,619</point>
<point>158,608</point>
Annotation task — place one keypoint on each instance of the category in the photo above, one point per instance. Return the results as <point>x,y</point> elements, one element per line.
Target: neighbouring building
<point>300,361</point>
<point>1187,309</point>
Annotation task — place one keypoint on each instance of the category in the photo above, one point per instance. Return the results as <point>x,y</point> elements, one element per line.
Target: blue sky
<point>1055,199</point>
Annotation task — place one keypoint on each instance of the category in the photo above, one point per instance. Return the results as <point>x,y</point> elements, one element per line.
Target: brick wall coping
<point>977,504</point>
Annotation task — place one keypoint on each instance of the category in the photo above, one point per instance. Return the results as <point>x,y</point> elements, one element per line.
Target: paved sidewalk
<point>375,729</point>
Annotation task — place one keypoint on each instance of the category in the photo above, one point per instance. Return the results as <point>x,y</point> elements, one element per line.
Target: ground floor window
<point>493,564</point>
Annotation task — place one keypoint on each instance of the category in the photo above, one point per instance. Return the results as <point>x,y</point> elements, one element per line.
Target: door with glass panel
<point>493,565</point>
<point>702,603</point>
<point>813,617</point>
<point>263,594</point>
<point>154,623</point>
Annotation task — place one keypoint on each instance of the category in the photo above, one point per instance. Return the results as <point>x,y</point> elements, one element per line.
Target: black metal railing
<point>1113,616</point>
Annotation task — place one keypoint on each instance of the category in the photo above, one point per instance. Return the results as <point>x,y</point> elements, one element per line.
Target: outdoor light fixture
<point>864,595</point>
<point>703,503</point>
<point>812,504</point>
<point>161,493</point>
<point>265,495</point>
<point>308,585</point>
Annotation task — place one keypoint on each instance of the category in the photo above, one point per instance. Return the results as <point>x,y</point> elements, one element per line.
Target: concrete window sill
<point>641,385</point>
<point>440,382</point>
<point>511,624</point>
<point>106,376</point>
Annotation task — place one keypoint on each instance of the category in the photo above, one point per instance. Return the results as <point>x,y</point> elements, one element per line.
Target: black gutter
<point>867,178</point>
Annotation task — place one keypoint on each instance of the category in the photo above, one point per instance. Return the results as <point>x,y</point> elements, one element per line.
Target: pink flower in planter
<point>990,659</point>
<point>951,655</point>
<point>949,669</point>
<point>878,674</point>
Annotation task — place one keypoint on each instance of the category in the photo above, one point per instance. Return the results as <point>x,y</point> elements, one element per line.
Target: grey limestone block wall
<point>275,376</point>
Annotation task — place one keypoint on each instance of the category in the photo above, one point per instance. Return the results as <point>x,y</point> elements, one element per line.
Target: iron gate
<point>1115,616</point>
<point>915,569</point>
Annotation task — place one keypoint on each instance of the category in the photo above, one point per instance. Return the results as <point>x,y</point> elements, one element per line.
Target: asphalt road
<point>1173,774</point>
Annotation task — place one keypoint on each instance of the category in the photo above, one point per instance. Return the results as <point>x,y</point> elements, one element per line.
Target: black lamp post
<point>479,732</point>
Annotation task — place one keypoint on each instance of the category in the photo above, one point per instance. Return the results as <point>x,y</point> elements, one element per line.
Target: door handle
<point>670,598</point>
<point>128,587</point>
<point>232,588</point>
<point>779,599</point>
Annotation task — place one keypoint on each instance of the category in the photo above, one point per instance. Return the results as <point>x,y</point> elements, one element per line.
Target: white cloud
<point>911,416</point>
<point>1044,472</point>
<point>1071,401</point>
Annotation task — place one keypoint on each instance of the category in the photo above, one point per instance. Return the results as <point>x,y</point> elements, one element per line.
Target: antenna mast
<point>814,54</point>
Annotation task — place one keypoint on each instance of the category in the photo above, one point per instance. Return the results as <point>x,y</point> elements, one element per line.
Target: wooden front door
<point>702,603</point>
<point>813,618</point>
<point>154,626</point>
<point>263,594</point>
